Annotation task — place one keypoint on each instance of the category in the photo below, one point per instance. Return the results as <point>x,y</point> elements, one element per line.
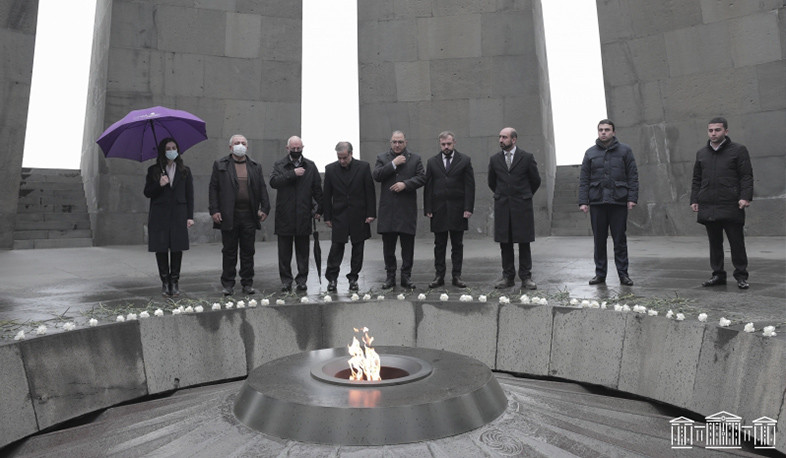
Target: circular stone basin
<point>304,397</point>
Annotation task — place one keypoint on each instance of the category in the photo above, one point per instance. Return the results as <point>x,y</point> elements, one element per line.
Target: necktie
<point>447,162</point>
<point>509,158</point>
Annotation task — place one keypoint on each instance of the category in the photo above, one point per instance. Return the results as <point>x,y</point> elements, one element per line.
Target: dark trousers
<point>389,253</point>
<point>736,236</point>
<point>241,236</point>
<point>508,261</point>
<point>456,252</point>
<point>336,255</point>
<point>285,258</point>
<point>169,264</point>
<point>614,218</point>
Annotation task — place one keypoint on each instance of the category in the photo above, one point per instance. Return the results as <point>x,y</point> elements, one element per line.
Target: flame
<point>364,362</point>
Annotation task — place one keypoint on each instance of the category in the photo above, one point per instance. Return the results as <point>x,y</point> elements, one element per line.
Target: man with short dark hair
<point>608,189</point>
<point>350,206</point>
<point>721,190</point>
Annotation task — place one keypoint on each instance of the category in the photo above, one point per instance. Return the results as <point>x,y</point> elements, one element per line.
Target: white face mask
<point>239,150</point>
<point>171,154</point>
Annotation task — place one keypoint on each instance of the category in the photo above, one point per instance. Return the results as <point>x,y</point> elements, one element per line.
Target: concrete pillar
<point>470,67</point>
<point>17,37</point>
<point>669,69</point>
<point>234,64</point>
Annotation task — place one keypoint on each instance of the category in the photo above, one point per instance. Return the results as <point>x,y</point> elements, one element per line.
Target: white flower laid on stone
<point>263,302</point>
<point>669,314</point>
<point>70,326</point>
<point>241,304</point>
<point>443,297</point>
<point>769,331</point>
<point>639,308</point>
<point>367,297</point>
<point>131,316</point>
<point>482,298</point>
<point>93,322</point>
<point>144,314</point>
<point>188,309</point>
<point>652,312</point>
<point>504,300</point>
<point>749,328</point>
<point>327,298</point>
<point>304,300</point>
<point>524,299</point>
<point>603,305</point>
<point>465,298</point>
<point>252,303</point>
<point>401,297</point>
<point>280,302</point>
<point>20,335</point>
<point>120,318</point>
<point>574,301</point>
<point>421,297</point>
<point>617,308</point>
<point>584,303</point>
<point>199,309</point>
<point>229,305</point>
<point>177,311</point>
<point>380,297</point>
<point>723,322</point>
<point>625,308</point>
<point>680,317</point>
<point>540,301</point>
<point>41,330</point>
<point>354,297</point>
<point>594,305</point>
<point>215,306</point>
<point>703,317</point>
<point>158,312</point>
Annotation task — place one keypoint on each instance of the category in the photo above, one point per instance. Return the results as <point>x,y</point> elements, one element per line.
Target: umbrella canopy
<point>136,136</point>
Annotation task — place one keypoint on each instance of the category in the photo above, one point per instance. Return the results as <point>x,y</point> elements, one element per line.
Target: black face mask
<point>295,154</point>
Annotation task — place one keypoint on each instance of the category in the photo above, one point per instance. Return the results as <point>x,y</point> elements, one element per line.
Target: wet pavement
<point>54,286</point>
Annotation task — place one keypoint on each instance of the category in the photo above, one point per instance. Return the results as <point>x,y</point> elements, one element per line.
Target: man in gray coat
<point>513,178</point>
<point>401,173</point>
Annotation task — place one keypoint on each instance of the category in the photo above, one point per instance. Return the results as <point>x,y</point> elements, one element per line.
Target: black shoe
<point>286,287</point>
<point>249,290</point>
<point>625,280</point>
<point>457,282</point>
<point>504,283</point>
<point>302,287</point>
<point>165,288</point>
<point>438,281</point>
<point>597,279</point>
<point>527,283</point>
<point>407,283</point>
<point>389,283</point>
<point>174,287</point>
<point>332,284</point>
<point>742,284</point>
<point>353,285</point>
<point>227,291</point>
<point>716,280</point>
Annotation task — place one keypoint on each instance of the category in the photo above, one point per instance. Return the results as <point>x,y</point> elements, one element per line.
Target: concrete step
<point>54,234</point>
<point>51,175</point>
<point>25,185</point>
<point>74,207</point>
<point>52,221</point>
<point>76,242</point>
<point>48,197</point>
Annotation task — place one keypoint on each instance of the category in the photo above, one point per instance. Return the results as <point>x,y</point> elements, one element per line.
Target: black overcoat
<point>349,198</point>
<point>447,195</point>
<point>398,211</point>
<point>720,180</point>
<point>296,196</point>
<point>223,191</point>
<point>170,208</point>
<point>513,190</point>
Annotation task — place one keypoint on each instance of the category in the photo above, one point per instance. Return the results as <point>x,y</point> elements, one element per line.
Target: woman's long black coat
<point>170,208</point>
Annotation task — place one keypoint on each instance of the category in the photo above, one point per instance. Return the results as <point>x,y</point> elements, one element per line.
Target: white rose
<point>443,297</point>
<point>70,326</point>
<point>93,322</point>
<point>703,317</point>
<point>216,306</point>
<point>253,303</point>
<point>120,318</point>
<point>584,303</point>
<point>482,298</point>
<point>304,300</point>
<point>20,335</point>
<point>367,297</point>
<point>769,331</point>
<point>625,308</point>
<point>524,299</point>
<point>144,314</point>
<point>669,314</point>
<point>749,328</point>
<point>327,298</point>
<point>241,304</point>
<point>504,300</point>
<point>199,309</point>
<point>280,302</point>
<point>680,317</point>
<point>158,312</point>
<point>603,305</point>
<point>229,305</point>
<point>651,312</point>
<point>265,302</point>
<point>380,297</point>
<point>574,301</point>
<point>354,297</point>
<point>177,311</point>
<point>723,322</point>
<point>401,297</point>
<point>41,330</point>
<point>421,297</point>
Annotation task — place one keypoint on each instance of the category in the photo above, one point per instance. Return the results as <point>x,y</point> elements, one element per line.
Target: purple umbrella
<point>136,136</point>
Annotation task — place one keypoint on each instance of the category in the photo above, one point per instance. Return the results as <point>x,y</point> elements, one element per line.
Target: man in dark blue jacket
<point>608,188</point>
<point>721,190</point>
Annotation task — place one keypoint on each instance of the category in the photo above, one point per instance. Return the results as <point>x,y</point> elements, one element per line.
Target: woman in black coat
<point>170,187</point>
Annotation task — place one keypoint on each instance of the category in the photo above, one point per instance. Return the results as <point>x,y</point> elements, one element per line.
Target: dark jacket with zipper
<point>608,175</point>
<point>720,180</point>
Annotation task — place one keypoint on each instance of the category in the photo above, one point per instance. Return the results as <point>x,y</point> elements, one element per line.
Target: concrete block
<point>461,78</point>
<point>450,37</point>
<point>502,33</point>
<point>266,119</point>
<point>77,372</point>
<point>512,78</point>
<point>614,22</point>
<point>449,7</point>
<point>391,322</point>
<point>624,104</point>
<point>377,121</point>
<point>281,38</point>
<point>524,339</point>
<point>659,358</point>
<point>430,118</point>
<point>772,91</point>
<point>742,373</point>
<point>118,228</point>
<point>274,332</point>
<point>648,57</point>
<point>232,78</point>
<point>129,70</point>
<point>378,81</point>
<point>191,349</point>
<point>649,17</point>
<point>714,11</point>
<point>618,68</point>
<point>755,39</point>
<point>22,18</point>
<point>698,49</point>
<point>191,30</point>
<point>693,96</point>
<point>133,25</point>
<point>755,133</point>
<point>17,417</point>
<point>412,81</point>
<point>759,219</point>
<point>412,8</point>
<point>438,325</point>
<point>389,41</point>
<point>586,345</point>
<point>271,8</point>
<point>17,51</point>
<point>183,74</point>
<point>377,10</point>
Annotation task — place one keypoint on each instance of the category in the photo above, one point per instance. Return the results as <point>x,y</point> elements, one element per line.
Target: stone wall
<point>671,67</point>
<point>469,67</point>
<point>17,40</point>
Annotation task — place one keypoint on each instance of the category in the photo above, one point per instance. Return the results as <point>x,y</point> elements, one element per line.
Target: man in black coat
<point>299,186</point>
<point>401,173</point>
<point>721,190</point>
<point>350,205</point>
<point>513,178</point>
<point>238,203</point>
<point>449,200</point>
<point>608,188</point>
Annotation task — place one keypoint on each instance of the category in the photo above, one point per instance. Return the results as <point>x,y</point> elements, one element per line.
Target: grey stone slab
<point>760,219</point>
<point>377,121</point>
<point>281,38</point>
<point>412,8</point>
<point>412,81</point>
<point>191,30</point>
<point>431,118</point>
<point>659,358</point>
<point>524,339</point>
<point>81,371</point>
<point>618,65</point>
<point>649,57</point>
<point>502,32</point>
<point>712,11</point>
<point>468,328</point>
<point>699,49</point>
<point>376,43</point>
<point>693,95</point>
<point>755,39</point>
<point>17,417</point>
<point>272,332</point>
<point>772,93</point>
<point>234,78</point>
<point>391,322</point>
<point>183,74</point>
<point>133,25</point>
<point>454,78</point>
<point>649,17</point>
<point>377,81</point>
<point>271,8</point>
<point>739,372</point>
<point>449,8</point>
<point>129,70</point>
<point>192,349</point>
<point>451,37</point>
<point>586,345</point>
<point>20,15</point>
<point>265,119</point>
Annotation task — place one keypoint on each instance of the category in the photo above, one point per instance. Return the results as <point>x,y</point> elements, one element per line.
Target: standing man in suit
<point>299,186</point>
<point>449,200</point>
<point>401,173</point>
<point>238,203</point>
<point>350,206</point>
<point>513,178</point>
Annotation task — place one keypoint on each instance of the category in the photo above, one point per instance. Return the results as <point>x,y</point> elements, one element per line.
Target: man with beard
<point>513,178</point>
<point>401,173</point>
